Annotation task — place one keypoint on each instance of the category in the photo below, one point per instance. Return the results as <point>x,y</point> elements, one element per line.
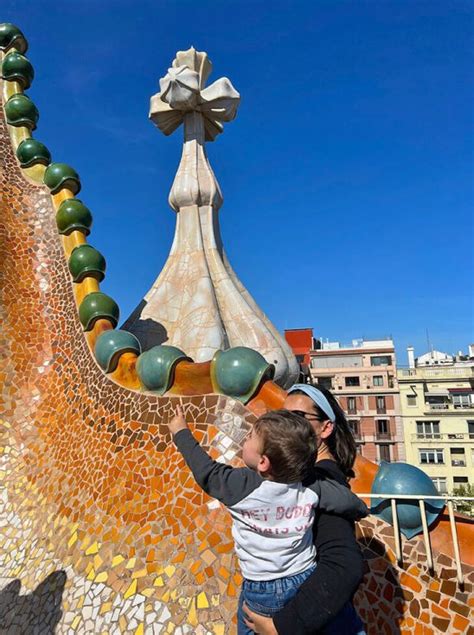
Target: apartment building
<point>363,378</point>
<point>437,404</point>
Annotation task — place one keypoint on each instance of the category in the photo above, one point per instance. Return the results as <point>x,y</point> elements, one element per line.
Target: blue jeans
<point>270,596</point>
<point>267,597</point>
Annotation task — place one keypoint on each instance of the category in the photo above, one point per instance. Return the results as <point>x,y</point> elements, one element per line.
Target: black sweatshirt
<point>336,577</point>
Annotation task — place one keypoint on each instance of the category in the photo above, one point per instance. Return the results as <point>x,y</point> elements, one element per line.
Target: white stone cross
<point>182,91</point>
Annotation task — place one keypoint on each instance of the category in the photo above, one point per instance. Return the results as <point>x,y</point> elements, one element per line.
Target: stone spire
<point>197,303</point>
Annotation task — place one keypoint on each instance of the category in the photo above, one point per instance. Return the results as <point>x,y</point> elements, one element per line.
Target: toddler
<point>272,502</point>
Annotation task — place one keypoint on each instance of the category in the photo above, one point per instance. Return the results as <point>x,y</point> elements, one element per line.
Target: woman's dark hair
<point>289,441</point>
<point>340,443</point>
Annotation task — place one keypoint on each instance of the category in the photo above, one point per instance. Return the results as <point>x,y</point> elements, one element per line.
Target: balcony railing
<point>448,407</point>
<point>421,501</point>
<point>437,436</point>
<point>458,462</point>
<point>440,372</point>
<point>381,410</point>
<point>383,436</point>
<point>437,406</point>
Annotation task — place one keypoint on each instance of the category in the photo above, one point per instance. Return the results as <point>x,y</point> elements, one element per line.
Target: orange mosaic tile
<point>100,518</point>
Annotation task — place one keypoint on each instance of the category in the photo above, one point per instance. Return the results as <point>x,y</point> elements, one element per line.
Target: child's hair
<point>289,442</point>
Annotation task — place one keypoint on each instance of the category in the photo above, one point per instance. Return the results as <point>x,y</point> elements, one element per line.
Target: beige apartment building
<point>363,378</point>
<point>437,403</point>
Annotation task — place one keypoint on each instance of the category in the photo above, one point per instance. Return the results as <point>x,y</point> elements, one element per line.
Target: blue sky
<point>347,175</point>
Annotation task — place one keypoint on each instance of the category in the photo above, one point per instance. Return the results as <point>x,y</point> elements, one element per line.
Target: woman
<point>323,603</point>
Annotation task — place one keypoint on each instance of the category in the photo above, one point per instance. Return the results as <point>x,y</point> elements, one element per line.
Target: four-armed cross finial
<point>182,91</point>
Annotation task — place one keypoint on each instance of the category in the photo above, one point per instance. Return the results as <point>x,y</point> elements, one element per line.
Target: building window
<point>462,401</point>
<point>355,427</point>
<point>352,381</point>
<point>383,428</point>
<point>411,400</point>
<point>427,430</point>
<point>384,452</point>
<point>381,409</point>
<point>470,429</point>
<point>460,480</point>
<point>440,483</point>
<point>378,380</point>
<point>324,382</point>
<point>458,457</point>
<point>430,456</point>
<point>381,360</point>
<point>351,405</point>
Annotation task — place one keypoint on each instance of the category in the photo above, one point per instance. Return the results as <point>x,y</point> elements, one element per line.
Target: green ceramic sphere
<point>111,345</point>
<point>98,306</point>
<point>239,371</point>
<point>155,367</point>
<point>59,176</point>
<point>21,111</point>
<point>30,151</point>
<point>85,261</point>
<point>16,68</point>
<point>10,35</point>
<point>73,215</point>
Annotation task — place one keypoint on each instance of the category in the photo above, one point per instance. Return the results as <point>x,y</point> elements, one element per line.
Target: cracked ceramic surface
<point>197,303</point>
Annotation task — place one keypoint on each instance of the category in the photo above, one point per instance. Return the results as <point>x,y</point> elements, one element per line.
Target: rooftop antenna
<point>430,346</point>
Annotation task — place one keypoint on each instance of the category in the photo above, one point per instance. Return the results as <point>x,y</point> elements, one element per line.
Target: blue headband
<point>317,396</point>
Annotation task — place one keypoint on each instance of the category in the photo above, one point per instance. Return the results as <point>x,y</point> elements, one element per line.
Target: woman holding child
<point>323,602</point>
<point>275,548</point>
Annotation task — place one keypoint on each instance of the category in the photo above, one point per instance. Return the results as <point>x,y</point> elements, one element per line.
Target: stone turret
<point>197,303</point>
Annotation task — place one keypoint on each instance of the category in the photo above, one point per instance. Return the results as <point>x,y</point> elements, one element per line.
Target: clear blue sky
<point>347,175</point>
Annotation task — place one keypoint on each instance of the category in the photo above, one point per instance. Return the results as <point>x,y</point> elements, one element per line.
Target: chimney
<point>471,350</point>
<point>411,356</point>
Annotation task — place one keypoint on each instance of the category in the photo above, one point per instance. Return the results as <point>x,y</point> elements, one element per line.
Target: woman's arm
<point>333,583</point>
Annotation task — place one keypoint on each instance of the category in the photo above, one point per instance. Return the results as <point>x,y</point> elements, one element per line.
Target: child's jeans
<point>267,597</point>
<point>270,596</point>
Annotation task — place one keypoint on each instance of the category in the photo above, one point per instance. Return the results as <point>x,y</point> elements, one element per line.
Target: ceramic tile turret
<point>197,303</point>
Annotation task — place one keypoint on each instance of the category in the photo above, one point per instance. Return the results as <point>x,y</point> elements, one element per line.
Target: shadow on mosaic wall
<point>381,581</point>
<point>36,612</point>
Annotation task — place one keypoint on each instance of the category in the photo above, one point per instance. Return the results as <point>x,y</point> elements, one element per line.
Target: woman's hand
<point>258,623</point>
<point>177,423</point>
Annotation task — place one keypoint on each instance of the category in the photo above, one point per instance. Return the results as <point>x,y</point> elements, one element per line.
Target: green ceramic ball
<point>30,152</point>
<point>98,306</point>
<point>21,111</point>
<point>73,215</point>
<point>16,68</point>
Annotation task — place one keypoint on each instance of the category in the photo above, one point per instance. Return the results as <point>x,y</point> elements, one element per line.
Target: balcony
<point>437,406</point>
<point>441,372</point>
<point>437,436</point>
<point>381,410</point>
<point>458,462</point>
<point>383,436</point>
<point>449,408</point>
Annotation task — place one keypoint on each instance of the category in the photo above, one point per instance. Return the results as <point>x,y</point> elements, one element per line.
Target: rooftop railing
<point>441,371</point>
<point>421,501</point>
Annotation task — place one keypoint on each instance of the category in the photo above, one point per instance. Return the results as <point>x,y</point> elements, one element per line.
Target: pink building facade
<point>363,378</point>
